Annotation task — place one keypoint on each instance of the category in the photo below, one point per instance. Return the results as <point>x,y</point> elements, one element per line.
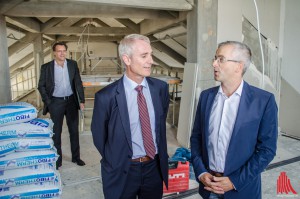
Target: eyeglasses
<point>222,59</point>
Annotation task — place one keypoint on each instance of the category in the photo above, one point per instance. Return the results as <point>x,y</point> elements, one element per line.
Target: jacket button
<point>124,171</point>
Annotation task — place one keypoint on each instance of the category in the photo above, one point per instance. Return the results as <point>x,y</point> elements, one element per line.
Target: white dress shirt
<point>62,86</point>
<point>221,124</point>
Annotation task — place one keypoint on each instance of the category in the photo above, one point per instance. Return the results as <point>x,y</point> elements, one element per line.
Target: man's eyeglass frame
<point>222,60</point>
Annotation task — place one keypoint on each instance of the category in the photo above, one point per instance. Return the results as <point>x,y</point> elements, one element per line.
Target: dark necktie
<point>145,123</point>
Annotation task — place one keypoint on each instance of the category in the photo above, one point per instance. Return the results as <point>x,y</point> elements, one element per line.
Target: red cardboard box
<point>178,177</point>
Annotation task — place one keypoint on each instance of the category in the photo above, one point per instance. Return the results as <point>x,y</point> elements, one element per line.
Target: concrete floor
<point>85,182</point>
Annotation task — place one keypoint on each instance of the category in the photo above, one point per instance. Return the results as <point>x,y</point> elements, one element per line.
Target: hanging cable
<point>81,36</point>
<point>261,49</point>
<point>87,40</point>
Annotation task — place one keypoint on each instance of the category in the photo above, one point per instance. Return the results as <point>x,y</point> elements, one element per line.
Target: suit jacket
<point>46,83</point>
<point>252,145</point>
<point>112,135</point>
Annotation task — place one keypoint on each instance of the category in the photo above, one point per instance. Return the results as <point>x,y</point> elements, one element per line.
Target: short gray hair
<point>125,46</point>
<point>241,52</point>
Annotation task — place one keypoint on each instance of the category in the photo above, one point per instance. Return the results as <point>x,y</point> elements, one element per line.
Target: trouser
<point>216,196</point>
<point>59,108</point>
<point>144,181</point>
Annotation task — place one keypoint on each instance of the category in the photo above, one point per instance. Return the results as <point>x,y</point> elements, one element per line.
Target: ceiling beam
<point>25,23</point>
<point>167,50</point>
<point>7,5</point>
<point>82,22</point>
<point>16,28</point>
<point>130,24</point>
<point>83,10</point>
<point>52,22</point>
<point>18,65</point>
<point>89,31</point>
<point>91,38</point>
<point>161,63</point>
<point>100,22</point>
<point>43,19</point>
<point>21,43</point>
<point>49,37</point>
<point>175,5</point>
<point>149,26</point>
<point>21,62</point>
<point>92,21</point>
<point>70,21</point>
<point>164,65</point>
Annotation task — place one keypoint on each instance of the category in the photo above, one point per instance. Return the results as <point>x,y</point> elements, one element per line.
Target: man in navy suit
<point>128,169</point>
<point>62,93</point>
<point>235,130</point>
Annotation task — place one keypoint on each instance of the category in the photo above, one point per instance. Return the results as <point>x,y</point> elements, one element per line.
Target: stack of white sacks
<point>27,154</point>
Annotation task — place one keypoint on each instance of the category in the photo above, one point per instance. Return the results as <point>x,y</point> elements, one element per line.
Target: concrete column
<point>5,87</point>
<point>38,61</point>
<point>198,71</point>
<point>202,39</point>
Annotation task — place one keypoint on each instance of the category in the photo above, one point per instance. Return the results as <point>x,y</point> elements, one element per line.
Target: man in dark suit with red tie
<point>129,127</point>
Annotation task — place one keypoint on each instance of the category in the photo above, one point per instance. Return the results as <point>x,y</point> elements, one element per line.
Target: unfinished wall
<point>290,87</point>
<point>269,15</point>
<point>289,112</point>
<point>291,44</point>
<point>230,13</point>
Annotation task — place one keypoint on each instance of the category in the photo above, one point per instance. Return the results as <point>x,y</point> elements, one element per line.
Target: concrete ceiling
<point>164,22</point>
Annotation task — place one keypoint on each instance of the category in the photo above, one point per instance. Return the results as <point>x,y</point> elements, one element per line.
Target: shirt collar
<point>56,64</point>
<point>238,90</point>
<point>130,84</point>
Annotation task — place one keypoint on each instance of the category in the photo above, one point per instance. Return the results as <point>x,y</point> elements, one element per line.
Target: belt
<point>63,98</point>
<point>141,159</point>
<point>217,174</point>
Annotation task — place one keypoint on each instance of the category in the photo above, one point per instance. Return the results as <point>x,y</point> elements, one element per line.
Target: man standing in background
<point>62,92</point>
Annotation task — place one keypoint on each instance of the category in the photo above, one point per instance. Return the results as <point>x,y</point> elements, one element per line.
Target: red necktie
<point>145,123</point>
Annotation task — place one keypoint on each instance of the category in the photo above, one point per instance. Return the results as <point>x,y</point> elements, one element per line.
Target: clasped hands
<point>218,185</point>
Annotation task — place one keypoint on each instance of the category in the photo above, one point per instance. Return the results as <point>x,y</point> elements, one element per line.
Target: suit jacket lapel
<point>209,103</point>
<point>52,71</point>
<point>70,71</point>
<point>243,108</point>
<point>122,105</point>
<point>156,104</point>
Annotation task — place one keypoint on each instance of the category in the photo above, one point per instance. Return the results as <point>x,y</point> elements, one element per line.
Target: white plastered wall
<point>230,13</point>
